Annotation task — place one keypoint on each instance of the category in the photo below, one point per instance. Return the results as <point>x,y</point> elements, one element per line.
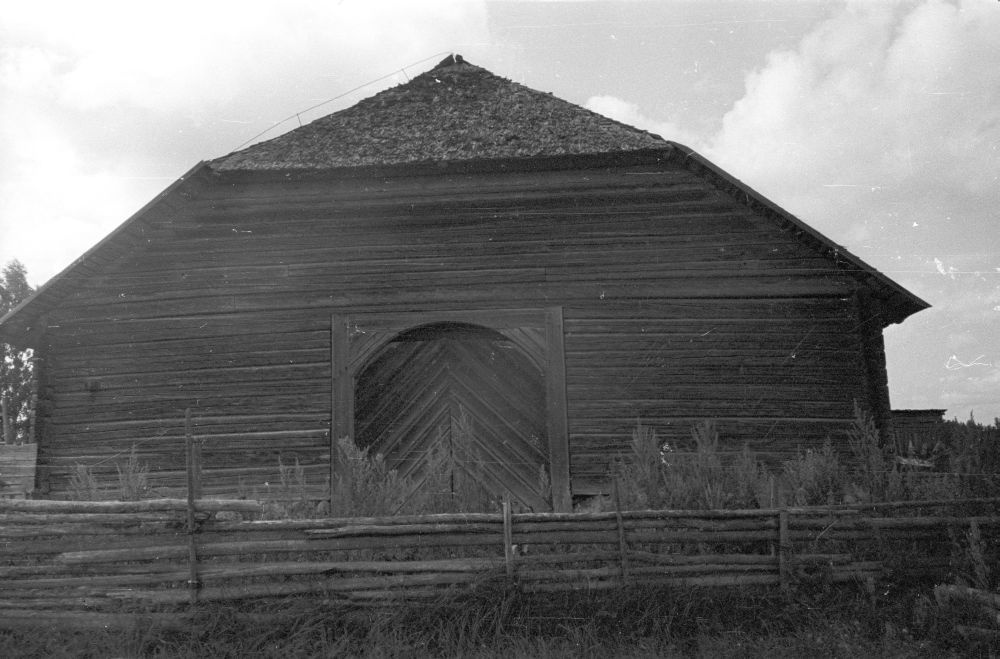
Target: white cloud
<point>629,113</point>
<point>874,99</point>
<point>54,195</point>
<point>881,128</point>
<point>169,56</point>
<point>104,103</point>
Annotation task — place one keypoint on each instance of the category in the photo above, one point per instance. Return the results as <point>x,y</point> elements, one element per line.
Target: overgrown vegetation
<point>498,621</point>
<point>960,460</point>
<point>817,618</point>
<point>83,485</point>
<point>702,475</point>
<point>133,481</point>
<point>366,486</point>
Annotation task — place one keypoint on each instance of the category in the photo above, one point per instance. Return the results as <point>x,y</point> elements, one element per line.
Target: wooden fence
<point>93,562</point>
<point>17,469</point>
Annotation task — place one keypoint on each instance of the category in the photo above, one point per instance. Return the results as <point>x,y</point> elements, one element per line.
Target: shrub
<point>445,482</point>
<point>656,475</point>
<point>291,498</point>
<point>83,485</point>
<point>814,478</point>
<point>754,485</point>
<point>133,478</point>
<point>640,472</point>
<point>877,471</point>
<point>364,486</point>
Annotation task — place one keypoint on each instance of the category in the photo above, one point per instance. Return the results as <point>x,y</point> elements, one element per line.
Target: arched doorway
<point>461,395</point>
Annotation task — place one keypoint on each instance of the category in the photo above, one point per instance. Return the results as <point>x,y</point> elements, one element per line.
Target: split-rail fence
<point>101,562</point>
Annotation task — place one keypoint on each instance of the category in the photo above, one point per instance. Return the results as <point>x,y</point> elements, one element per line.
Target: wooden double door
<point>482,400</point>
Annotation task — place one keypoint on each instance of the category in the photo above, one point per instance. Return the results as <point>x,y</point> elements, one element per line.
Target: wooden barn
<point>458,261</point>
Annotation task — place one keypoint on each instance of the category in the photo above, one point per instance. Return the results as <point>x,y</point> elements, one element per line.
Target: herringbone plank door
<point>463,394</point>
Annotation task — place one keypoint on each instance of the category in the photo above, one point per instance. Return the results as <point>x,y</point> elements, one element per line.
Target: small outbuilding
<point>458,263</point>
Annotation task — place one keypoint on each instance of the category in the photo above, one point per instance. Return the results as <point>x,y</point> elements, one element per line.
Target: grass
<point>132,485</point>
<point>498,621</point>
<point>703,474</point>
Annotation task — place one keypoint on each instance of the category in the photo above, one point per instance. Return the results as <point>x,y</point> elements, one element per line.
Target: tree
<point>16,371</point>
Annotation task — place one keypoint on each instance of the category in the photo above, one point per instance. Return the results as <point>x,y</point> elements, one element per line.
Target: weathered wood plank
<point>679,303</point>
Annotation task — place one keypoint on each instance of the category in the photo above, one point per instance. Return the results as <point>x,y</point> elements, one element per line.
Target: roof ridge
<point>451,60</point>
<point>452,112</point>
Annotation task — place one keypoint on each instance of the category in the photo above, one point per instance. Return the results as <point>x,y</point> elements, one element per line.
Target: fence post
<point>784,549</point>
<point>622,543</point>
<point>193,456</point>
<point>508,536</point>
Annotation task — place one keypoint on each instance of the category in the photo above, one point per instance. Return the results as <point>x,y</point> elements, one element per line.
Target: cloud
<point>103,104</point>
<point>51,191</point>
<point>629,113</point>
<point>871,99</point>
<point>881,128</point>
<point>165,57</point>
<point>882,125</point>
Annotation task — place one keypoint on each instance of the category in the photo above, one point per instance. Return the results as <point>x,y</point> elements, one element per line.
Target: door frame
<point>356,337</point>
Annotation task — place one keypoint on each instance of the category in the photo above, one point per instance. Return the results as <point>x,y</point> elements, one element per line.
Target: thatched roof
<point>455,111</point>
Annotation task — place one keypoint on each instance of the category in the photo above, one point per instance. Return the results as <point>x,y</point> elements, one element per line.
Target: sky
<point>876,123</point>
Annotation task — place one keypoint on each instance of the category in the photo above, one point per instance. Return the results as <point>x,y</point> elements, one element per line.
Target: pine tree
<point>16,372</point>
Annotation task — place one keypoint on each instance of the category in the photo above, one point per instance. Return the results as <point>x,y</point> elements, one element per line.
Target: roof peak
<point>451,60</point>
<point>456,111</point>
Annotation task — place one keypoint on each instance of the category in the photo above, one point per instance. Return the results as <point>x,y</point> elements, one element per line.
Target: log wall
<point>679,304</point>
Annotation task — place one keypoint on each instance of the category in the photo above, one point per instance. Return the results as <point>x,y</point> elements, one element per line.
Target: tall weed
<point>656,475</point>
<point>83,485</point>
<point>364,485</point>
<point>290,498</point>
<point>133,478</point>
<point>814,478</point>
<point>877,471</point>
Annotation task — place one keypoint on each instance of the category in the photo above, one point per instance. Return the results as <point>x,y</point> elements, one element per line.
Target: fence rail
<point>74,559</point>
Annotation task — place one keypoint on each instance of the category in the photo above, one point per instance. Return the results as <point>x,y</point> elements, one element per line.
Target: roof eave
<point>18,326</point>
<point>896,303</point>
<point>622,158</point>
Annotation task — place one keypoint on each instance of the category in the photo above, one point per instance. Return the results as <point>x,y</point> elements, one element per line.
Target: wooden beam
<point>556,416</point>
<point>342,403</point>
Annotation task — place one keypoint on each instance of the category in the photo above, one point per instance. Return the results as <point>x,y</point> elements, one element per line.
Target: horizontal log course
<point>84,520</point>
<point>202,505</point>
<point>323,586</point>
<point>81,533</point>
<point>932,522</point>
<point>216,547</point>
<point>247,547</point>
<point>730,580</point>
<point>52,570</point>
<point>639,574</point>
<point>516,518</point>
<point>55,546</point>
<point>526,529</point>
<point>886,527</point>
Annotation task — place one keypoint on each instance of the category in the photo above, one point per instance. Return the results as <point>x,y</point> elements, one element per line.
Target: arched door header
<point>369,333</point>
<point>538,333</point>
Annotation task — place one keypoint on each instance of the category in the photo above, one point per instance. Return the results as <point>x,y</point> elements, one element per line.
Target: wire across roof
<point>455,111</point>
